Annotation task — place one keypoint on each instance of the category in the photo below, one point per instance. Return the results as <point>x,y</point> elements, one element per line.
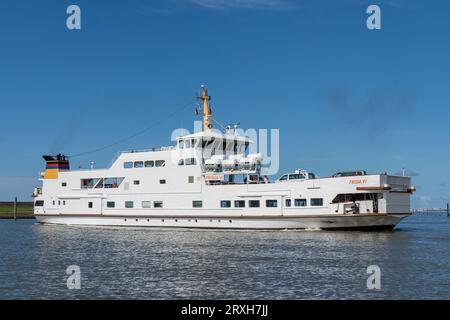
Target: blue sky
<point>344,97</point>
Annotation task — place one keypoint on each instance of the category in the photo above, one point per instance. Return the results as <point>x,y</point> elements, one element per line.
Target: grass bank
<point>24,210</point>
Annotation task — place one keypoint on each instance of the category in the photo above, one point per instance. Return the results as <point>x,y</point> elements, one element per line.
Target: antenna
<point>207,112</point>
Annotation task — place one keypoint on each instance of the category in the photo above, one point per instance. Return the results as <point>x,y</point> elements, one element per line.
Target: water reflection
<point>177,264</point>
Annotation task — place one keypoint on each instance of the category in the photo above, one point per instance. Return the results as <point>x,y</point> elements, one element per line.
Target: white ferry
<point>210,180</point>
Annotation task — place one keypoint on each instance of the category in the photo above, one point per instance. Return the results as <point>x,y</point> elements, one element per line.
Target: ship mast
<point>207,113</point>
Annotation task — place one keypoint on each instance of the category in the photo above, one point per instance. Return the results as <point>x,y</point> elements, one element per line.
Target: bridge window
<point>113,182</point>
<point>283,178</point>
<point>316,202</point>
<point>190,161</point>
<point>110,204</point>
<point>288,202</point>
<point>149,164</point>
<point>197,204</point>
<point>138,164</point>
<point>160,163</point>
<point>253,203</point>
<point>128,165</point>
<point>89,183</point>
<point>181,162</point>
<point>99,184</point>
<point>225,204</point>
<point>129,204</point>
<point>300,202</point>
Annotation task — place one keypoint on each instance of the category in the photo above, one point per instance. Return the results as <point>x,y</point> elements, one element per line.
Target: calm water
<point>177,264</point>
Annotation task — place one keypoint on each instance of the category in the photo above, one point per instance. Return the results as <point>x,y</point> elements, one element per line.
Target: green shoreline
<point>24,210</point>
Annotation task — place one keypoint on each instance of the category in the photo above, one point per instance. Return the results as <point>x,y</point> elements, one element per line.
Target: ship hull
<point>369,222</point>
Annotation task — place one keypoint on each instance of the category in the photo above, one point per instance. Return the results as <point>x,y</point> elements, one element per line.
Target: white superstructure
<point>209,180</point>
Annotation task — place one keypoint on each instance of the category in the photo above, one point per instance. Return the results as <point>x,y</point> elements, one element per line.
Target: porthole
<point>162,220</point>
<point>218,220</point>
<point>210,220</point>
<point>231,221</point>
<point>124,219</point>
<point>136,219</point>
<point>176,220</point>
<point>196,220</point>
<point>148,220</point>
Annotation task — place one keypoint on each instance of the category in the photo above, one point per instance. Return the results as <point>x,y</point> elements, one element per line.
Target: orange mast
<point>207,113</point>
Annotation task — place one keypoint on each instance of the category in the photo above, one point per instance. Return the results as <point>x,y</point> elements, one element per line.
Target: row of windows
<point>271,203</point>
<point>314,202</point>
<point>41,203</point>
<point>256,203</point>
<point>130,204</point>
<point>100,183</point>
<point>224,203</point>
<point>144,164</point>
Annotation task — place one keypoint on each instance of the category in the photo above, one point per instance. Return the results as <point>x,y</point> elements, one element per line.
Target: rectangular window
<point>316,202</point>
<point>191,179</point>
<point>112,183</point>
<point>146,204</point>
<point>129,204</point>
<point>39,203</point>
<point>197,204</point>
<point>157,204</point>
<point>162,181</point>
<point>59,202</point>
<point>288,202</point>
<point>90,205</point>
<point>138,164</point>
<point>300,202</point>
<point>253,203</point>
<point>190,161</point>
<point>271,203</point>
<point>99,184</point>
<point>239,203</point>
<point>110,204</point>
<point>89,183</point>
<point>136,182</point>
<point>181,162</point>
<point>64,184</point>
<point>225,204</point>
<point>128,165</point>
<point>149,164</point>
<point>160,163</point>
